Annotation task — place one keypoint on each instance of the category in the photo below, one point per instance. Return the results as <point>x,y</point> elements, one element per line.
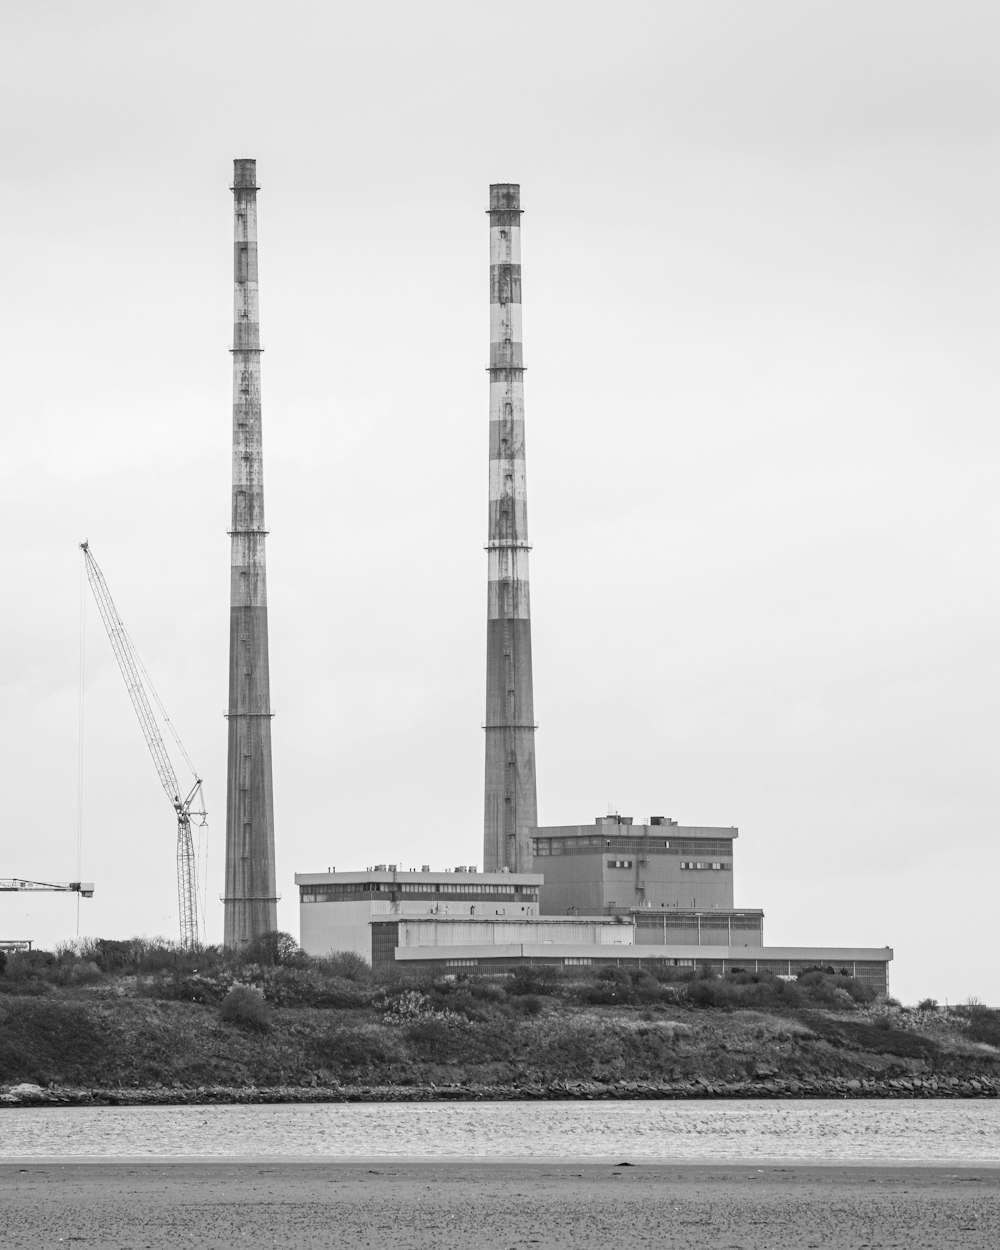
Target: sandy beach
<point>145,1206</point>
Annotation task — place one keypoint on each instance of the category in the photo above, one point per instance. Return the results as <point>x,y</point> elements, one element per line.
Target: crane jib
<point>131,667</point>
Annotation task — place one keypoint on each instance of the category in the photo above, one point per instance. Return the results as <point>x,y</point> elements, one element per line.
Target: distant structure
<point>251,895</point>
<point>511,808</point>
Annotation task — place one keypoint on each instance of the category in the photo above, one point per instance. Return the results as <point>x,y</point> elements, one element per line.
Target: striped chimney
<point>511,806</point>
<point>250,900</point>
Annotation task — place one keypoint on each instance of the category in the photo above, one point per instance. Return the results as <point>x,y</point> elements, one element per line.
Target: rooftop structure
<point>616,864</point>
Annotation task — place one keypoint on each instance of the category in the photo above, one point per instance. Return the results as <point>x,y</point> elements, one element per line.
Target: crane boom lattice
<point>131,670</point>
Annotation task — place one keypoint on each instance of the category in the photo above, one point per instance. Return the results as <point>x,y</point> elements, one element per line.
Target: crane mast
<point>130,665</point>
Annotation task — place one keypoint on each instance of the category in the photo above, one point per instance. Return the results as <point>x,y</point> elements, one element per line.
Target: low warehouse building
<point>336,908</point>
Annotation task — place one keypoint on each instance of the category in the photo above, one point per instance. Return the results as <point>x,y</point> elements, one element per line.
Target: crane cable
<point>79,744</point>
<point>168,723</point>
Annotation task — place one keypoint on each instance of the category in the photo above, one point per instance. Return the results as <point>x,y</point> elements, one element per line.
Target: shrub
<point>532,980</point>
<point>246,1007</point>
<point>927,1004</point>
<point>351,1050</point>
<point>273,949</point>
<point>347,965</point>
<point>432,1036</point>
<point>829,988</point>
<point>982,1024</point>
<point>881,1036</point>
<point>29,965</point>
<point>191,987</point>
<point>288,986</point>
<point>603,993</point>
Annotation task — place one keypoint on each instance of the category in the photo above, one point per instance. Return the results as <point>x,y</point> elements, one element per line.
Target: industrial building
<point>494,922</point>
<point>675,881</point>
<point>654,895</point>
<point>337,909</point>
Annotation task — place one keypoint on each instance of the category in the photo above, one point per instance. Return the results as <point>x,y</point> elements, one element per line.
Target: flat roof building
<point>617,864</point>
<point>336,908</point>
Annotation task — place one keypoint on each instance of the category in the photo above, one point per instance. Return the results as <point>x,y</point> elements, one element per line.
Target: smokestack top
<point>505,195</point>
<point>245,173</point>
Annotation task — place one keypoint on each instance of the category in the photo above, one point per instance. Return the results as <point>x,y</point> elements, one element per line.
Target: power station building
<point>612,892</point>
<point>494,922</point>
<point>654,895</point>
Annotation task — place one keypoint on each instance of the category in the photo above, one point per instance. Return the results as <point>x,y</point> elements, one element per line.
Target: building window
<point>619,863</point>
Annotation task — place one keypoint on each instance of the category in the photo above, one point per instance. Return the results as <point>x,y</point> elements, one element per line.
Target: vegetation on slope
<point>148,1015</point>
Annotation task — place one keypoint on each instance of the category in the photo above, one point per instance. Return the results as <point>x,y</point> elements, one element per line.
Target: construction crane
<point>131,667</point>
<point>84,888</point>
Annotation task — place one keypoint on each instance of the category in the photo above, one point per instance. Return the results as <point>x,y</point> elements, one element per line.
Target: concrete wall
<point>578,933</point>
<point>326,927</point>
<point>870,965</point>
<point>590,883</point>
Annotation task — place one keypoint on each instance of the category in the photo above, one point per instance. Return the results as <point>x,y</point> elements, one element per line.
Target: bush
<point>927,1004</point>
<point>532,980</point>
<point>191,987</point>
<point>347,965</point>
<point>880,1037</point>
<point>246,1007</point>
<point>288,986</point>
<point>530,1005</point>
<point>982,1024</point>
<point>828,988</point>
<point>273,949</point>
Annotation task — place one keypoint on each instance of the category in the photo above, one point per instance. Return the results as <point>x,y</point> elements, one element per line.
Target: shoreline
<point>379,1165</point>
<point>557,1091</point>
<point>454,1204</point>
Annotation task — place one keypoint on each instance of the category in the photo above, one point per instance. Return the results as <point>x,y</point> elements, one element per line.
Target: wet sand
<point>215,1206</point>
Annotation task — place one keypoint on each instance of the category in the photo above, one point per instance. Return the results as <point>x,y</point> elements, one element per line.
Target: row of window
<point>717,865</point>
<point>361,891</point>
<point>645,846</point>
<point>619,863</point>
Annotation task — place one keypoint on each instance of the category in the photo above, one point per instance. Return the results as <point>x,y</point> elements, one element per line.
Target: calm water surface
<point>833,1131</point>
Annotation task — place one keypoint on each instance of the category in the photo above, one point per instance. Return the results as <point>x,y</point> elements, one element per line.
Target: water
<point>818,1131</point>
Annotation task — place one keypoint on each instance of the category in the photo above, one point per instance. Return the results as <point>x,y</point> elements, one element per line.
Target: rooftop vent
<point>461,868</point>
<point>392,867</point>
<point>379,868</point>
<point>425,867</point>
<point>473,868</point>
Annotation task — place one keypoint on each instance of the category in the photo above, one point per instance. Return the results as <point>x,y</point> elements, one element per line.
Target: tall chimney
<point>511,805</point>
<point>250,901</point>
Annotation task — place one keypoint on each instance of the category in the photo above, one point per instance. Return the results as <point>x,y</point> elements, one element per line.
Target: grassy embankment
<point>141,1021</point>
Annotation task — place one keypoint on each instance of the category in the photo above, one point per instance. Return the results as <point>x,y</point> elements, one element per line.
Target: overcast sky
<point>761,255</point>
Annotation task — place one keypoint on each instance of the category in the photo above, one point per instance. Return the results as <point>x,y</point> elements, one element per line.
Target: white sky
<point>761,255</point>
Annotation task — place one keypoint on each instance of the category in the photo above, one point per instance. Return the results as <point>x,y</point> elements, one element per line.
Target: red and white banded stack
<point>250,900</point>
<point>511,808</point>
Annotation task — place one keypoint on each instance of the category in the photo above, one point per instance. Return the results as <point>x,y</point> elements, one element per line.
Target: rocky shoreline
<point>25,1095</point>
